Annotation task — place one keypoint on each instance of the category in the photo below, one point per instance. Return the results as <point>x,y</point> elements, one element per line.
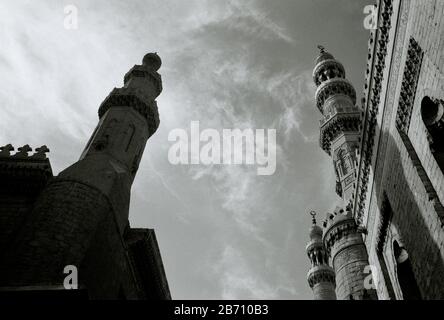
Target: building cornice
<point>338,230</point>
<point>337,125</point>
<point>320,274</point>
<point>378,48</point>
<point>333,87</point>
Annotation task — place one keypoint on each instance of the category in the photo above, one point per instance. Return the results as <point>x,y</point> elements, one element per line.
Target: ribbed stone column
<point>349,258</point>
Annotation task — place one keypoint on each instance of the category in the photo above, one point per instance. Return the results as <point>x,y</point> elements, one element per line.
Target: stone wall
<point>57,233</point>
<point>324,291</point>
<point>404,163</point>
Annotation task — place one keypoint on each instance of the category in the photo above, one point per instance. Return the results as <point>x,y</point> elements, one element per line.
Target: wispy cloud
<point>228,64</point>
<point>239,280</point>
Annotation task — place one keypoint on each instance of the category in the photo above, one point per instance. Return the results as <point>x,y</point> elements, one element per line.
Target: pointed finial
<point>321,48</point>
<point>313,216</point>
<point>5,151</point>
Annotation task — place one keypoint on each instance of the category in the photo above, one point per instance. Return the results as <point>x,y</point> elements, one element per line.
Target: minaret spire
<point>321,277</point>
<point>341,239</point>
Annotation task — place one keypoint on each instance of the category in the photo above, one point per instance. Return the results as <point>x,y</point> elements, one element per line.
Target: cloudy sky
<point>224,232</point>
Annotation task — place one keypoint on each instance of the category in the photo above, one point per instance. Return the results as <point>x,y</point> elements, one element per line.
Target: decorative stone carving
<point>124,97</point>
<point>5,151</point>
<point>23,152</point>
<point>40,153</point>
<point>338,232</point>
<point>21,173</point>
<point>336,126</point>
<point>344,162</point>
<point>409,83</point>
<point>328,69</point>
<point>142,84</point>
<point>322,275</point>
<point>373,85</point>
<point>332,87</point>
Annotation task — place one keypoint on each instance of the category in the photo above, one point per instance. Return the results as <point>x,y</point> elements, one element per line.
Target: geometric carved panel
<point>409,83</point>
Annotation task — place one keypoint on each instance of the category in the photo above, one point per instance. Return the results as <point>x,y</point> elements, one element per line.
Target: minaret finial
<point>321,48</point>
<point>313,216</point>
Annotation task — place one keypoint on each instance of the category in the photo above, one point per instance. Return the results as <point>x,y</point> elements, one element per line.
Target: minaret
<point>81,217</point>
<point>321,277</point>
<point>348,256</point>
<point>339,134</point>
<point>336,99</point>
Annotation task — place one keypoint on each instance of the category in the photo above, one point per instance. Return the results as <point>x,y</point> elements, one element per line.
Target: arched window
<point>343,162</point>
<point>406,277</point>
<point>432,112</point>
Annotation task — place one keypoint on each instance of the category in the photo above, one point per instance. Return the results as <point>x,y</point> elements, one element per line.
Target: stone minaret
<point>336,99</point>
<point>81,217</point>
<point>348,255</point>
<point>321,277</point>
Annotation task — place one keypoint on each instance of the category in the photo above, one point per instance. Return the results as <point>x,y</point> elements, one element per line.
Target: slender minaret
<point>81,217</point>
<point>321,277</point>
<point>339,134</point>
<point>336,99</point>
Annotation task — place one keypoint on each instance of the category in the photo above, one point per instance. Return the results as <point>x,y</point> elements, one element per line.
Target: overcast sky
<point>224,232</point>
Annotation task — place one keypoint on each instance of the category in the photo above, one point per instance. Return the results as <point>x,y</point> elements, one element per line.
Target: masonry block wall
<point>323,291</point>
<point>57,234</point>
<point>404,172</point>
<point>349,257</point>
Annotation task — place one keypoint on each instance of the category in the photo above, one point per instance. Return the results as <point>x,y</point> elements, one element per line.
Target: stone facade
<point>398,194</point>
<point>403,199</point>
<point>80,217</point>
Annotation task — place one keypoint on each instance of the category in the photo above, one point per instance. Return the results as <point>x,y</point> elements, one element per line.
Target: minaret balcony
<point>330,68</point>
<point>335,86</point>
<point>132,98</point>
<point>320,273</point>
<point>149,81</point>
<point>337,124</point>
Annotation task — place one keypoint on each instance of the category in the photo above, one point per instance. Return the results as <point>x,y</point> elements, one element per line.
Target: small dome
<point>315,232</point>
<point>324,56</point>
<point>152,61</point>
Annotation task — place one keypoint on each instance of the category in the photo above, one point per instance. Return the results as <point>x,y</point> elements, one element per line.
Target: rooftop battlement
<point>23,172</point>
